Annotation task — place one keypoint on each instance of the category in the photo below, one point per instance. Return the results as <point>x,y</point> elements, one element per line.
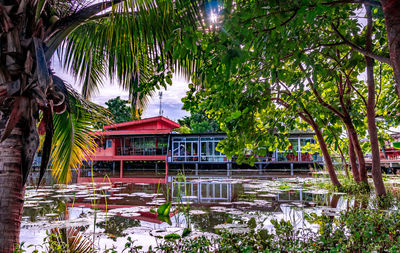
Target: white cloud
<point>171,101</point>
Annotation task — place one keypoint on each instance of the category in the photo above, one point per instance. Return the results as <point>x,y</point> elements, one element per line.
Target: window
<point>108,143</point>
<point>185,149</point>
<point>208,149</point>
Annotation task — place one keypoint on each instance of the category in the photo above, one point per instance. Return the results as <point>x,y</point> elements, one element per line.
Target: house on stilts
<point>147,150</point>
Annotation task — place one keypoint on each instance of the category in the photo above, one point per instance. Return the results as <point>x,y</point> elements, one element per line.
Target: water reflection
<point>111,212</point>
<point>199,190</point>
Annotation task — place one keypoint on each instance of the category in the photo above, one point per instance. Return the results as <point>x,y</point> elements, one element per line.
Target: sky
<point>171,101</point>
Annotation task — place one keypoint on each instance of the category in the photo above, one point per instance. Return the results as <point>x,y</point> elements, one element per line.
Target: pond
<point>109,213</point>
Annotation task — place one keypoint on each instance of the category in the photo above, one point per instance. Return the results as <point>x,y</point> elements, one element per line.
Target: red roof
<point>158,122</point>
<point>125,132</point>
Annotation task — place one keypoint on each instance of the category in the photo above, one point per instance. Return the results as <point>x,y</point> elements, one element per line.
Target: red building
<point>129,145</point>
<point>144,150</point>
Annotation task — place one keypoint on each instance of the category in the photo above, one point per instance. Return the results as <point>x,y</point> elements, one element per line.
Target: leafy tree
<point>183,129</point>
<point>125,40</point>
<point>199,122</point>
<point>120,109</point>
<point>283,54</point>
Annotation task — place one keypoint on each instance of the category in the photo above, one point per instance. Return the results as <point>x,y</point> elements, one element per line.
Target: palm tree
<point>126,40</point>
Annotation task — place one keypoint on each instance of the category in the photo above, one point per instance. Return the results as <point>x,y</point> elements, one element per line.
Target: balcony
<point>132,151</point>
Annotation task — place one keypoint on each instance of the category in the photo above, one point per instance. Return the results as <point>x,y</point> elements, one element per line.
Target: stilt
<point>301,195</point>
<point>291,169</point>
<point>228,169</point>
<point>121,169</point>
<point>166,171</point>
<point>196,169</point>
<point>156,167</point>
<point>260,169</point>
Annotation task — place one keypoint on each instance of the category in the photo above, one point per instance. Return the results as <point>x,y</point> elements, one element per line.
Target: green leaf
<point>236,114</point>
<point>163,210</point>
<point>172,236</point>
<point>165,219</point>
<point>186,232</point>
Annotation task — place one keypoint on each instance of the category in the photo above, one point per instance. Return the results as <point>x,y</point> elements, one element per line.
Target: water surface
<point>109,213</point>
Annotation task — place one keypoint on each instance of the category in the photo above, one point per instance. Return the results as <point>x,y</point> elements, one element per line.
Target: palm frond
<point>130,41</point>
<point>68,240</point>
<point>74,138</point>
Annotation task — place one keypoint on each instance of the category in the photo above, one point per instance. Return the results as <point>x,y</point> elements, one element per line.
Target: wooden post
<point>291,169</point>
<point>166,171</point>
<point>121,169</point>
<point>298,150</point>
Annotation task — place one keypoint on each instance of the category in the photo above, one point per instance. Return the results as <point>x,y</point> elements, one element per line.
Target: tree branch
<point>360,49</point>
<point>367,2</point>
<point>83,14</point>
<point>283,23</point>
<point>319,98</point>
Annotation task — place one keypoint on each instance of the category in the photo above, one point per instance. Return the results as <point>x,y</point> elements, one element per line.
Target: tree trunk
<point>391,11</point>
<point>11,189</point>
<point>344,163</point>
<point>326,155</point>
<point>353,163</point>
<point>373,132</point>
<point>358,151</point>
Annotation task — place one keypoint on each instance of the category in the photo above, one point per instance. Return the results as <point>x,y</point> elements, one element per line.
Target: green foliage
<point>172,236</point>
<point>186,232</point>
<point>287,69</point>
<point>114,226</point>
<point>183,130</point>
<point>130,247</point>
<point>164,209</point>
<point>67,240</point>
<point>348,185</point>
<point>363,228</point>
<point>199,122</point>
<point>119,109</point>
<point>73,139</point>
<point>355,230</point>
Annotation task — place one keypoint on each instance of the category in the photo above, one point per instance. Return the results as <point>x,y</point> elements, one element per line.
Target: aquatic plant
<point>357,230</point>
<point>67,240</point>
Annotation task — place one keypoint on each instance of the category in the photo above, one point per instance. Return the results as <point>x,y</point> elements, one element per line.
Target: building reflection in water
<point>201,191</point>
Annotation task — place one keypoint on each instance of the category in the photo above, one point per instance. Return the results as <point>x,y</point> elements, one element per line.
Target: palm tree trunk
<point>11,189</point>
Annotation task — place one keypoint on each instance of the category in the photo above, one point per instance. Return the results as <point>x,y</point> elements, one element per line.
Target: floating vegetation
<point>200,205</point>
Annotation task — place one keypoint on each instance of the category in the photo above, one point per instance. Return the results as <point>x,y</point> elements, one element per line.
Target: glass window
<point>210,149</point>
<point>175,150</point>
<point>195,149</point>
<point>224,191</point>
<point>188,148</point>
<point>109,143</point>
<point>182,150</point>
<point>295,144</point>
<point>203,148</point>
